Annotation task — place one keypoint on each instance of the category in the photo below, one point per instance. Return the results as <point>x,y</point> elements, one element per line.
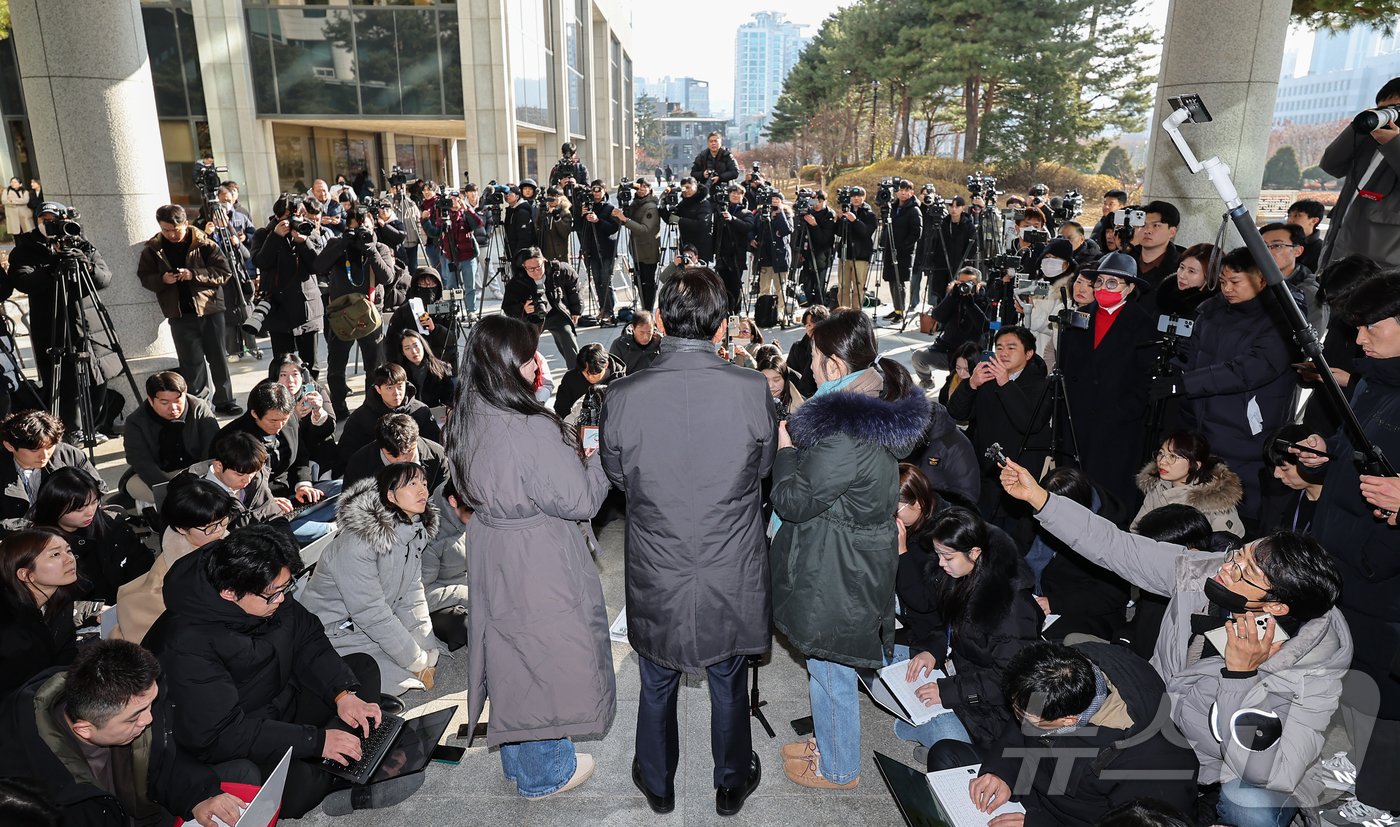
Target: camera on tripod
<point>1067,207</point>
<point>447,303</point>
<point>399,176</point>
<point>1030,288</point>
<point>671,196</point>
<point>984,186</point>
<point>206,177</point>
<point>1175,326</point>
<point>844,196</point>
<point>1071,319</point>
<point>884,193</point>
<point>806,200</point>
<point>626,191</point>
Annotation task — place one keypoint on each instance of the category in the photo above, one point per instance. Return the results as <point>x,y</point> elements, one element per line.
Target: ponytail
<point>898,382</point>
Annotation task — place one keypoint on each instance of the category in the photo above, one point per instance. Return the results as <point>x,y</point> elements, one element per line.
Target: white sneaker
<point>1357,813</point>
<point>583,771</point>
<point>1338,773</point>
<point>234,358</point>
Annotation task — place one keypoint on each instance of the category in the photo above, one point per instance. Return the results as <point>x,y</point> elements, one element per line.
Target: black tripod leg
<point>755,704</point>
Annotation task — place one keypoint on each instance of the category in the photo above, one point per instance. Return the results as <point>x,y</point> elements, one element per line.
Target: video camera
<point>398,176</point>
<point>65,231</point>
<point>984,186</point>
<point>806,200</point>
<point>671,196</point>
<point>1068,207</point>
<point>626,191</point>
<point>844,196</point>
<point>206,177</point>
<point>884,193</point>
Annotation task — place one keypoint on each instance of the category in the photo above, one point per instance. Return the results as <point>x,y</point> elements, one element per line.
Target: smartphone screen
<point>588,436</point>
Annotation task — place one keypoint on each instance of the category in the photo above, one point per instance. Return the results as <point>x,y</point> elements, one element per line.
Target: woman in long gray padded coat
<point>367,589</point>
<point>538,629</point>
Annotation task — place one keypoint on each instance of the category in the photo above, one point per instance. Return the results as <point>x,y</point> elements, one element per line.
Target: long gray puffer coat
<point>834,558</point>
<point>367,589</point>
<point>538,629</point>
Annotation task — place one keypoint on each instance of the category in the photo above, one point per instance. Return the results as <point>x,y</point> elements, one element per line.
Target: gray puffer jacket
<point>1301,683</point>
<point>445,560</point>
<point>367,589</point>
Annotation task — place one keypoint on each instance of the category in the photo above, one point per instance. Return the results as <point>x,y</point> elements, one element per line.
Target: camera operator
<point>186,270</point>
<point>569,166</point>
<point>1368,207</point>
<point>855,233</point>
<point>754,188</point>
<point>1155,250</point>
<point>734,226</point>
<point>694,218</point>
<point>813,246</point>
<point>643,222</point>
<point>544,294</point>
<point>948,241</point>
<point>354,262</point>
<point>554,223</point>
<point>223,220</point>
<point>1028,227</point>
<point>458,249</point>
<point>35,268</point>
<point>287,266</point>
<point>519,218</point>
<point>771,230</point>
<point>332,215</point>
<point>1113,201</point>
<point>1086,252</point>
<point>687,256</point>
<point>962,316</point>
<point>389,229</point>
<point>906,226</point>
<point>714,166</point>
<point>411,214</point>
<point>598,240</point>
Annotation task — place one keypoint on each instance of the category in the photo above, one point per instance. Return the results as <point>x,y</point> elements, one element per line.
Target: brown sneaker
<point>800,750</point>
<point>805,773</point>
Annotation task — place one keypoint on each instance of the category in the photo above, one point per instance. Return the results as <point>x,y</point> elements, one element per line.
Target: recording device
<point>362,236</point>
<point>399,176</point>
<point>1031,288</point>
<point>781,410</point>
<point>844,196</point>
<point>626,190</point>
<point>588,417</point>
<point>448,301</point>
<point>671,196</point>
<point>986,356</point>
<point>996,454</point>
<point>1282,445</point>
<point>964,289</point>
<point>755,169</point>
<point>1174,326</point>
<point>64,227</point>
<point>984,186</point>
<point>806,201</point>
<point>1033,236</point>
<point>1006,261</point>
<point>1125,224</point>
<point>1373,119</point>
<point>884,193</point>
<point>206,177</point>
<point>1067,207</point>
<point>257,317</point>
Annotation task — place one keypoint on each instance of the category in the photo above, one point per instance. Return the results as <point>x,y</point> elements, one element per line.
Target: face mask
<point>1224,598</point>
<point>1108,298</point>
<point>1052,267</point>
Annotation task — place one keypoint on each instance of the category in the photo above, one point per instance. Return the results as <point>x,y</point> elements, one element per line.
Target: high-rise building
<point>765,50</point>
<point>1345,71</point>
<point>689,94</point>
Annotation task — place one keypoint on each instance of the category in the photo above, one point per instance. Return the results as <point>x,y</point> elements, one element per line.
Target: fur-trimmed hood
<point>896,426</point>
<point>361,513</point>
<point>1221,491</point>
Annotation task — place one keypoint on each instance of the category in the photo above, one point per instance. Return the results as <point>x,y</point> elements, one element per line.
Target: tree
<point>1308,140</point>
<point>651,149</point>
<point>1282,172</point>
<point>1337,15</point>
<point>1118,164</point>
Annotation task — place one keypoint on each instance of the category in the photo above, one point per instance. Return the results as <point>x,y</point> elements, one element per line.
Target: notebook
<point>936,799</point>
<point>890,690</point>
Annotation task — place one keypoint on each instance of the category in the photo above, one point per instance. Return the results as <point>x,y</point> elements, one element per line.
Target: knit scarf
<point>1100,696</point>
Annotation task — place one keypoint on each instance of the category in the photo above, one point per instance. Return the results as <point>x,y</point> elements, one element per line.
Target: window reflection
<point>532,62</point>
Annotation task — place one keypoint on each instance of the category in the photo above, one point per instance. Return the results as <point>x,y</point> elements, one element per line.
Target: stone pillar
<point>240,141</point>
<point>1229,52</point>
<point>488,96</point>
<point>92,110</point>
<point>600,161</point>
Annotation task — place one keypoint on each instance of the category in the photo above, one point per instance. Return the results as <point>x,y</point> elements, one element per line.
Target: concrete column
<point>488,95</point>
<point>92,110</point>
<point>600,162</point>
<point>240,141</point>
<point>559,9</point>
<point>1230,53</point>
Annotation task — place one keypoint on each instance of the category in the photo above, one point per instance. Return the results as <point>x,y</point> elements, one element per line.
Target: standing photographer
<point>694,218</point>
<point>544,294</point>
<point>520,218</point>
<point>455,223</point>
<point>354,262</point>
<point>186,271</point>
<point>1368,207</point>
<point>233,230</point>
<point>814,245</point>
<point>405,206</point>
<point>856,236</point>
<point>906,226</point>
<point>771,230</point>
<point>643,222</point>
<point>947,242</point>
<point>715,166</point>
<point>734,226</point>
<point>569,166</point>
<point>286,261</point>
<point>554,223</point>
<point>598,237</point>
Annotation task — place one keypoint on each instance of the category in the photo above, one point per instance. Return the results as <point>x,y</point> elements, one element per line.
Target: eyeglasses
<point>1168,456</point>
<point>281,594</point>
<point>538,268</point>
<point>1236,569</point>
<point>213,528</point>
<point>1109,284</point>
<point>1281,245</point>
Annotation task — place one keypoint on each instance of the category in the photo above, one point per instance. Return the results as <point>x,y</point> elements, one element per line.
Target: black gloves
<point>1164,387</point>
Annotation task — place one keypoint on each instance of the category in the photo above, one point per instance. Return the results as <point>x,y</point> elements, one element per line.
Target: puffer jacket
<point>367,589</point>
<point>204,259</point>
<point>835,556</point>
<point>445,559</point>
<point>1216,497</point>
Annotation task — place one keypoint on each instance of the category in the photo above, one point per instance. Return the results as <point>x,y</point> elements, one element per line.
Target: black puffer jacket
<point>635,356</point>
<point>31,643</point>
<point>287,278</point>
<point>835,556</point>
<point>363,423</point>
<point>695,220</point>
<point>1002,414</point>
<point>234,677</point>
<point>947,458</point>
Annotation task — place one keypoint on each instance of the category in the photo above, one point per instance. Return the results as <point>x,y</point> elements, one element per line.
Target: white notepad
<point>898,696</point>
<point>950,791</point>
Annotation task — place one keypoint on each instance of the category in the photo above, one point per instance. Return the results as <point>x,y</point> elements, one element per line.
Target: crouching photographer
<point>359,268</point>
<point>289,308</point>
<point>962,316</point>
<point>544,294</point>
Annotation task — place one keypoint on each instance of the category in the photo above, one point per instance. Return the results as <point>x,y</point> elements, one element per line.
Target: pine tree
<point>1282,172</point>
<point>1118,164</point>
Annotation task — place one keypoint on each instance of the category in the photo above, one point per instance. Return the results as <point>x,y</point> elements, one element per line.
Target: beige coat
<point>18,217</point>
<point>142,601</point>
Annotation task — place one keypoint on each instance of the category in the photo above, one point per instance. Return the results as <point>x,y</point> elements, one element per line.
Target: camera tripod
<point>1059,399</point>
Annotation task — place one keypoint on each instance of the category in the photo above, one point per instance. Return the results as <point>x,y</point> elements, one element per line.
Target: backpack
<point>765,312</point>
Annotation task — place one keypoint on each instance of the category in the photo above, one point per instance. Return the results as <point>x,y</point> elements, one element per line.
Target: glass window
<point>615,89</point>
<point>532,62</point>
<point>11,99</point>
<point>574,41</point>
<point>174,57</point>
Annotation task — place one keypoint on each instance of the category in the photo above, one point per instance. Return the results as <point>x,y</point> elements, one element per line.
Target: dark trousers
<point>199,341</point>
<point>408,254</point>
<point>338,356</point>
<point>733,279</point>
<point>601,272</point>
<point>646,283</point>
<point>567,342</point>
<point>307,783</point>
<point>283,341</point>
<point>949,755</point>
<point>1371,707</point>
<point>658,741</point>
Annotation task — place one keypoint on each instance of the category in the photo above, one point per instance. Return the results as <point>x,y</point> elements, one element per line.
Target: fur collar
<point>361,513</point>
<point>1221,491</point>
<point>896,426</point>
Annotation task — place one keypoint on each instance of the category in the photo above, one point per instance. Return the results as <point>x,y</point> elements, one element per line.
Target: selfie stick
<point>1190,109</point>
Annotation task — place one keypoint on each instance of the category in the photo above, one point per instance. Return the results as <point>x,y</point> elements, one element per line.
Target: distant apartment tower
<point>765,50</point>
<point>1345,71</point>
<point>689,94</point>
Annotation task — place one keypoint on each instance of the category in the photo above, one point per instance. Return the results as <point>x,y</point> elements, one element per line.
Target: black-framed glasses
<point>284,592</point>
<point>1232,560</point>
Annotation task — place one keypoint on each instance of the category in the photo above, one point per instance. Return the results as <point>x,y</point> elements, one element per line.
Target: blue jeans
<point>1245,805</point>
<point>835,718</point>
<point>318,520</point>
<point>462,274</point>
<point>539,768</point>
<point>943,727</point>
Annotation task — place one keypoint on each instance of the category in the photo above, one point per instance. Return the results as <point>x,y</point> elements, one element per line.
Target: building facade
<point>689,94</point>
<point>684,138</point>
<point>286,91</point>
<point>1345,70</point>
<point>765,50</point>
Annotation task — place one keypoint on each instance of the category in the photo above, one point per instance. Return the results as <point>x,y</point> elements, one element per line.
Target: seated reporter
<point>445,568</point>
<point>782,381</point>
<point>314,415</point>
<point>239,467</point>
<point>34,440</point>
<point>196,512</point>
<point>69,503</point>
<point>1185,471</point>
<point>95,738</point>
<point>439,329</point>
<point>38,583</point>
<point>397,439</point>
<point>1089,735</point>
<point>251,673</point>
<point>639,344</point>
<point>165,435</point>
<point>593,366</point>
<point>387,391</point>
<point>431,375</point>
<point>963,588</point>
<point>1287,580</point>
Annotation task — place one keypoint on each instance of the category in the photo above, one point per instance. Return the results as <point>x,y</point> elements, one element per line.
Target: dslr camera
<point>257,317</point>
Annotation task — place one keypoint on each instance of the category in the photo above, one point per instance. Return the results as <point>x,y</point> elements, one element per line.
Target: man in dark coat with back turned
<point>689,441</point>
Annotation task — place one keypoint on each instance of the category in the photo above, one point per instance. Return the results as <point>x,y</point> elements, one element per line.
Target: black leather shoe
<point>730,800</point>
<point>660,804</point>
<point>391,705</point>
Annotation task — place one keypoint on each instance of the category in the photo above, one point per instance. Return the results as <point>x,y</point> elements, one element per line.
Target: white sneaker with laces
<point>1338,773</point>
<point>1357,813</point>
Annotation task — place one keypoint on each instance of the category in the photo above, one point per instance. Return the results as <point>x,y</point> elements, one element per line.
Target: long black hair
<point>850,336</point>
<point>64,491</point>
<point>436,368</point>
<point>495,350</point>
<point>962,530</point>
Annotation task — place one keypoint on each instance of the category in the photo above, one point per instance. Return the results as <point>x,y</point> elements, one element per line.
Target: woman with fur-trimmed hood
<point>1186,472</point>
<point>367,589</point>
<point>835,554</point>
